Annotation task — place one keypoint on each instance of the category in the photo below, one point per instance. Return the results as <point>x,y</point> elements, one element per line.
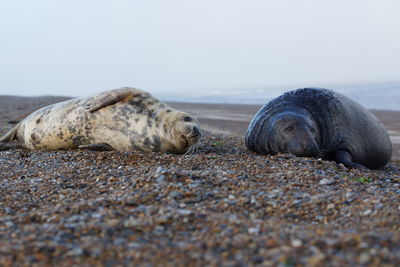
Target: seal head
<point>182,130</point>
<point>296,133</point>
<point>286,132</point>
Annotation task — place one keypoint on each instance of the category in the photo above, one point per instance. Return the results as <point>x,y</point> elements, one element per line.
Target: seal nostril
<point>196,131</point>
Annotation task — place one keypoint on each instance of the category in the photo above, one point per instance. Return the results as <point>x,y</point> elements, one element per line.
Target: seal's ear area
<point>112,97</point>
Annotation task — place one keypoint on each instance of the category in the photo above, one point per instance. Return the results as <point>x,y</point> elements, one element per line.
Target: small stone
<point>9,224</point>
<point>75,252</point>
<point>254,230</point>
<point>364,258</point>
<point>9,211</point>
<point>160,170</point>
<point>135,223</point>
<point>271,243</point>
<point>175,195</point>
<point>160,179</point>
<point>341,166</point>
<point>112,222</point>
<point>296,243</point>
<point>367,212</point>
<point>184,212</point>
<point>331,206</point>
<point>326,181</point>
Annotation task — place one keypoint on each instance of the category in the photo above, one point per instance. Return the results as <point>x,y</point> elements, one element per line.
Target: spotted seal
<point>123,119</point>
<point>319,122</point>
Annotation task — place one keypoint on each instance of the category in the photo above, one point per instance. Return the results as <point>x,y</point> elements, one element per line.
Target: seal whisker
<point>190,151</point>
<point>322,153</point>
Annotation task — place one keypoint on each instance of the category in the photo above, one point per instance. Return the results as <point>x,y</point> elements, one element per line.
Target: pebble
<point>160,179</point>
<point>254,230</point>
<point>326,181</point>
<point>184,212</point>
<point>331,206</point>
<point>160,169</point>
<point>9,211</point>
<point>175,195</point>
<point>296,243</point>
<point>75,252</point>
<point>367,212</point>
<point>132,222</point>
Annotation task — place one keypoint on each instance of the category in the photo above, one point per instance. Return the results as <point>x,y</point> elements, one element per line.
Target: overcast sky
<point>81,47</point>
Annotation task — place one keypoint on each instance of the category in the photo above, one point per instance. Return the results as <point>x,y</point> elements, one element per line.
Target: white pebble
<point>367,212</point>
<point>184,212</point>
<point>254,230</point>
<point>296,243</point>
<point>326,181</point>
<point>331,206</point>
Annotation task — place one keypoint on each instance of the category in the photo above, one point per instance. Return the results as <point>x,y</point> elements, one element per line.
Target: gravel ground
<point>221,205</point>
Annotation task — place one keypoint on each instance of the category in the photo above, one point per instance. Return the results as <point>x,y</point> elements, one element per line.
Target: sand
<point>220,206</point>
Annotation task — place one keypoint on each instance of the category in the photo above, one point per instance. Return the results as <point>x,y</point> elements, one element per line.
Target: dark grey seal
<point>318,122</point>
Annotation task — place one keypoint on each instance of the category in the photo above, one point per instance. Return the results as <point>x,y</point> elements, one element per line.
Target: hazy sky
<point>192,47</point>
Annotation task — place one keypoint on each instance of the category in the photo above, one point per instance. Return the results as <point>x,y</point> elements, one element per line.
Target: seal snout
<point>195,132</point>
<point>305,148</point>
<point>311,149</point>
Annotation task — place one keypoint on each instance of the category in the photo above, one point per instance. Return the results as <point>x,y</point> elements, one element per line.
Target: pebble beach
<point>221,205</point>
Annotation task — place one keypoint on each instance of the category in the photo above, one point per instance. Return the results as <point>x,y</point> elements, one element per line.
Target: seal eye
<point>187,119</point>
<point>289,129</point>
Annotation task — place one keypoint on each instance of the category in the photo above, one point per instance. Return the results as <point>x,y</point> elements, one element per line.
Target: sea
<point>382,96</point>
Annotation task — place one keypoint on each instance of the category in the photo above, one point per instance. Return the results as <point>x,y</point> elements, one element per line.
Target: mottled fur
<point>123,119</point>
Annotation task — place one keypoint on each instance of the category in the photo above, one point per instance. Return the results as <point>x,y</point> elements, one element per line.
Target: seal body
<point>123,119</point>
<point>319,122</point>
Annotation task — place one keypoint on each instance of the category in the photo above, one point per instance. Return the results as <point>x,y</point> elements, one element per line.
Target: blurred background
<point>228,51</point>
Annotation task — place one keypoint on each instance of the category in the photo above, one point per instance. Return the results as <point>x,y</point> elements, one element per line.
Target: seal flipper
<point>11,135</point>
<point>97,147</point>
<point>110,98</point>
<point>344,157</point>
